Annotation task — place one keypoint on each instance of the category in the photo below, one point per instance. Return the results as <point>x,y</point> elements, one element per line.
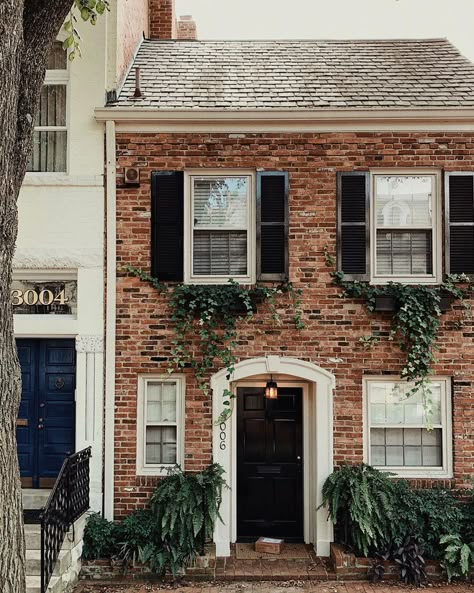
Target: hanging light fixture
<point>271,389</point>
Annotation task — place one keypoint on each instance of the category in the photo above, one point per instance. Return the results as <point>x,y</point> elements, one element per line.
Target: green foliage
<point>360,498</point>
<point>101,538</point>
<point>89,11</point>
<point>415,324</point>
<point>186,508</point>
<point>212,312</point>
<point>425,513</point>
<point>183,513</point>
<point>458,556</point>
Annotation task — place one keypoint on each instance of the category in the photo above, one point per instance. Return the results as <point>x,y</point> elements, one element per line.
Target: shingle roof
<point>363,74</point>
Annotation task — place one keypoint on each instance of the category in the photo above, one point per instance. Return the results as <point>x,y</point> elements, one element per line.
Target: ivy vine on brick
<point>415,323</point>
<point>211,312</point>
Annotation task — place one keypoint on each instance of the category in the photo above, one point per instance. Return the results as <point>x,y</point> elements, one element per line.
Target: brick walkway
<point>267,587</point>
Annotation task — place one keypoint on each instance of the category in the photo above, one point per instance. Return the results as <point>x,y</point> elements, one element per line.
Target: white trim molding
<point>318,385</point>
<point>159,469</point>
<point>153,119</point>
<point>89,344</point>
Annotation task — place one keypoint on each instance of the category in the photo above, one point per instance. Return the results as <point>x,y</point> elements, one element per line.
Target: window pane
<point>57,59</point>
<point>410,447</point>
<point>404,253</point>
<point>160,444</point>
<point>49,152</point>
<point>52,106</point>
<point>220,201</point>
<point>220,253</point>
<point>404,200</point>
<point>161,402</point>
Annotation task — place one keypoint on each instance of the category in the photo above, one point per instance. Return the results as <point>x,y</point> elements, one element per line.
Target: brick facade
<point>333,325</point>
<point>162,19</point>
<point>132,25</point>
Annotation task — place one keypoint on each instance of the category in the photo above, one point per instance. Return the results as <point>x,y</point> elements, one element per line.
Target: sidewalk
<point>268,587</point>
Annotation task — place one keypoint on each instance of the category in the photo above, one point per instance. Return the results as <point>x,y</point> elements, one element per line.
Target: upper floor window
<point>396,434</point>
<point>49,152</point>
<point>221,233</point>
<point>210,226</point>
<point>389,226</point>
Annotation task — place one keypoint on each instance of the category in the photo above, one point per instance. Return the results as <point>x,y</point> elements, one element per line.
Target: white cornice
<point>143,119</point>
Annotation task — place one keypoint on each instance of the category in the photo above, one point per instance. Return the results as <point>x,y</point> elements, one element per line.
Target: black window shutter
<point>272,225</point>
<point>353,232</point>
<point>459,217</point>
<point>167,205</point>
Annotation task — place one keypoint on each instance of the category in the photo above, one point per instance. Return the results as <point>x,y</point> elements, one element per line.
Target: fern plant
<point>360,499</point>
<point>458,556</point>
<point>186,508</point>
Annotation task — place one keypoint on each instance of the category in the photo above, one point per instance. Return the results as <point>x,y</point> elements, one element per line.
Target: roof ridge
<point>304,40</point>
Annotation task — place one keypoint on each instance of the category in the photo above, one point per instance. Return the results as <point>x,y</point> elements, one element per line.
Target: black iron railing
<point>68,500</point>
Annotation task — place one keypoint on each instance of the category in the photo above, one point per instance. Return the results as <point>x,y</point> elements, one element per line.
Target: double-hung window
<point>389,226</point>
<point>209,226</point>
<point>398,435</point>
<point>221,211</point>
<point>49,152</point>
<point>160,424</point>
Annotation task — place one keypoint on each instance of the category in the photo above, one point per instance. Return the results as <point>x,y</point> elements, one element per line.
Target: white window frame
<point>159,469</point>
<point>189,176</point>
<point>55,78</point>
<point>437,248</point>
<point>446,471</point>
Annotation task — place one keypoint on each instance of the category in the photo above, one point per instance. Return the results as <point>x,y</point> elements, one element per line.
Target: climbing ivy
<point>211,312</point>
<point>415,323</point>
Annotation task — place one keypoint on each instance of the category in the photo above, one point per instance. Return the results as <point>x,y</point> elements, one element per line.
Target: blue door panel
<point>47,407</point>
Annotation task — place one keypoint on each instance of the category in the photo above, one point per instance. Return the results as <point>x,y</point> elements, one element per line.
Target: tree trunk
<point>28,29</point>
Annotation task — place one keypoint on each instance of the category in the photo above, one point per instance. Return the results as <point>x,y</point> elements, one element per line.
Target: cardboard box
<point>269,545</point>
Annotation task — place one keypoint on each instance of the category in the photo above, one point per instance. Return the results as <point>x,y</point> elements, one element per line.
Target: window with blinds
<point>50,134</point>
<point>160,423</point>
<point>400,435</point>
<point>404,225</point>
<point>220,226</point>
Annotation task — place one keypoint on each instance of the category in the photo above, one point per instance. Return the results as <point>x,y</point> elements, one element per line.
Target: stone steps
<point>33,584</point>
<point>33,562</point>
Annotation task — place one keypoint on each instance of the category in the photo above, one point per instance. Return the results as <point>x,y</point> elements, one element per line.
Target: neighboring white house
<point>58,290</point>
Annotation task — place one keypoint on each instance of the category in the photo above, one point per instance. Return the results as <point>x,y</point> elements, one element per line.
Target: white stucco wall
<point>61,227</point>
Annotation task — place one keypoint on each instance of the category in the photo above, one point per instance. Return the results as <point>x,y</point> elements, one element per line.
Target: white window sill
<point>409,280</point>
<point>219,280</point>
<point>62,179</point>
<point>157,470</point>
<point>417,473</point>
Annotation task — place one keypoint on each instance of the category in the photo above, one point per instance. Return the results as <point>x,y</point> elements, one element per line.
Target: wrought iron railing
<point>68,500</point>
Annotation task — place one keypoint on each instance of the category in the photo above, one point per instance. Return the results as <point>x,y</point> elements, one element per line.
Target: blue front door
<point>46,419</point>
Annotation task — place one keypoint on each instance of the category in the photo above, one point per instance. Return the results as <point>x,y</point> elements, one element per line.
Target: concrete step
<point>33,562</point>
<point>33,537</point>
<point>33,585</point>
<point>34,498</point>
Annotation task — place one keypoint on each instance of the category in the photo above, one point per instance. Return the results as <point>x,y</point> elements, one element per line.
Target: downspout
<point>111,250</point>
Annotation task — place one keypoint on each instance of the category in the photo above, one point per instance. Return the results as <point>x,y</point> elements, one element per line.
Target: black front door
<point>46,419</point>
<point>269,464</point>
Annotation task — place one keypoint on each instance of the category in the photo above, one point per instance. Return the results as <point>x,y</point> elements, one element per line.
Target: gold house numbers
<point>30,297</point>
<point>33,297</point>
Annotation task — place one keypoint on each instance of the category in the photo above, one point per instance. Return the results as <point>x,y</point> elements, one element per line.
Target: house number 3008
<point>43,297</point>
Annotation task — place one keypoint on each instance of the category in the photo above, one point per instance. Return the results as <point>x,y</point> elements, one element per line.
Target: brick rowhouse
<point>333,325</point>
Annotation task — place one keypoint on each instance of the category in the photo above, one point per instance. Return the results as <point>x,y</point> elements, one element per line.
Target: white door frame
<point>317,436</point>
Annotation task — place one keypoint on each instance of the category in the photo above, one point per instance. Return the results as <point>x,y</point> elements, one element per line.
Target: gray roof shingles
<point>230,75</point>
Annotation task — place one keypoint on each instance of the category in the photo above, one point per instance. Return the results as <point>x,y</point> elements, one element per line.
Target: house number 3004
<point>43,297</point>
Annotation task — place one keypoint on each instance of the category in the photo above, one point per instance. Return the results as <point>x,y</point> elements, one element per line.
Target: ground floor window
<point>160,423</point>
<point>400,436</point>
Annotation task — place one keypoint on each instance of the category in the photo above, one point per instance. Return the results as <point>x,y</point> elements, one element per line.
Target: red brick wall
<point>132,24</point>
<point>162,19</point>
<point>333,325</point>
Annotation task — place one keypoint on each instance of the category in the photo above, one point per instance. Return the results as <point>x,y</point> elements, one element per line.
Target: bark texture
<point>28,29</point>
